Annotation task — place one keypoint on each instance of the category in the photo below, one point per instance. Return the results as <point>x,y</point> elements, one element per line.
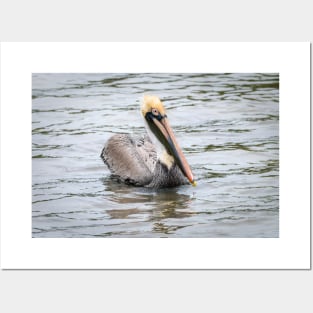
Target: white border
<point>290,251</point>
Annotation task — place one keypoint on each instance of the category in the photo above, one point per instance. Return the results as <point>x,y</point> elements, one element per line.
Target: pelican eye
<point>155,112</point>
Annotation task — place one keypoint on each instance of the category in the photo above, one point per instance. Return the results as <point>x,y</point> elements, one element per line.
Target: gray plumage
<point>164,177</point>
<point>134,161</point>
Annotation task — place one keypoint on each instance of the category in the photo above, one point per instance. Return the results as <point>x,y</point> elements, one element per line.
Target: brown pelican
<point>155,160</point>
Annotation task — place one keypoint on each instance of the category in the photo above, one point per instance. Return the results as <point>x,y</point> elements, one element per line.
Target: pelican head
<point>154,114</point>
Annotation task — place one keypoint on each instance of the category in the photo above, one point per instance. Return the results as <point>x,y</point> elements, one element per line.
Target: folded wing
<point>131,160</point>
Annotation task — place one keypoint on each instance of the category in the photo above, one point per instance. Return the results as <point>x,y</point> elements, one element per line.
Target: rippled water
<point>227,125</point>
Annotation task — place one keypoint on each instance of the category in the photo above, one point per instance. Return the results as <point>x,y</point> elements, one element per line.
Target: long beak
<point>164,133</point>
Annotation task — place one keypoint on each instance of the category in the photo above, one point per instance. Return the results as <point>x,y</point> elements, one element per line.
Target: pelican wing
<point>131,160</point>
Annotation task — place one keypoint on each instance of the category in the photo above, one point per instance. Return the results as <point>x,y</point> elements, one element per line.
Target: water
<point>226,124</point>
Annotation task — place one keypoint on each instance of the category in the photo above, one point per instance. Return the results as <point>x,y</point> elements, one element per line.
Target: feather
<point>131,160</point>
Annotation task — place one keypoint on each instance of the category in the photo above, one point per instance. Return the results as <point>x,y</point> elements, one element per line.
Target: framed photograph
<point>155,155</point>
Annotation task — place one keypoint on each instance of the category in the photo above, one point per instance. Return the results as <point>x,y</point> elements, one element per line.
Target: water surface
<point>226,124</point>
